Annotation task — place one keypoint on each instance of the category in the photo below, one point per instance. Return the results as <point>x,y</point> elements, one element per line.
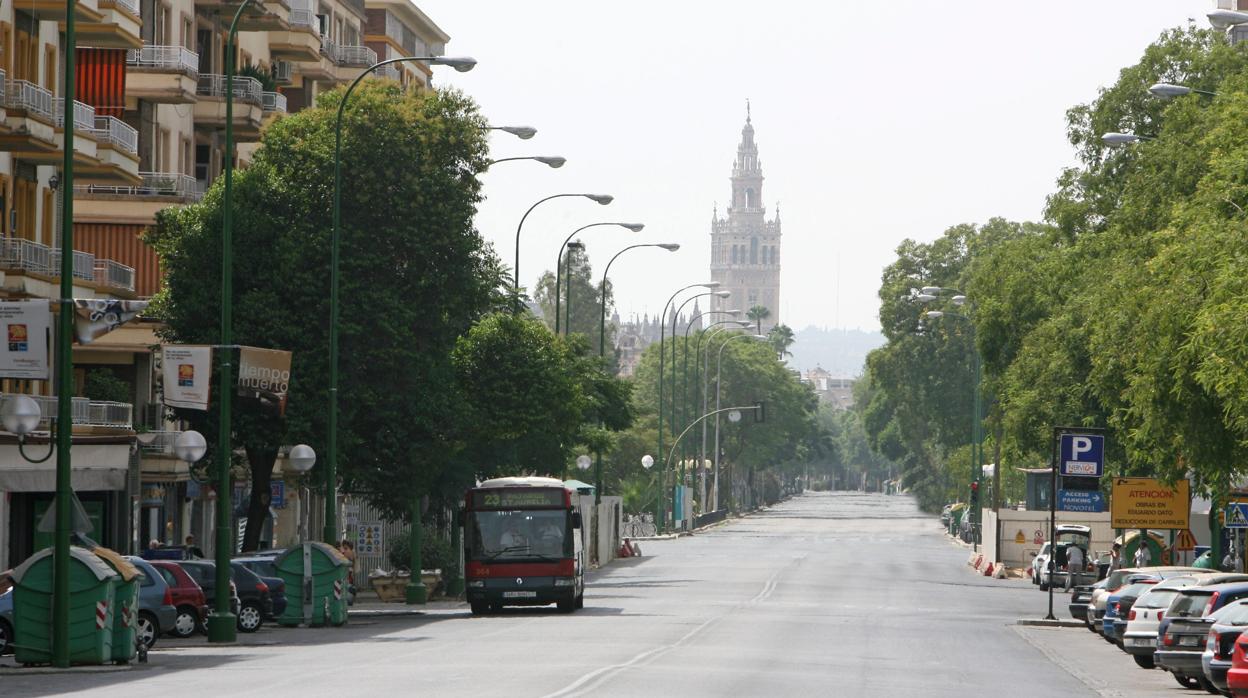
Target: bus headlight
<point>564,581</point>
<point>477,584</point>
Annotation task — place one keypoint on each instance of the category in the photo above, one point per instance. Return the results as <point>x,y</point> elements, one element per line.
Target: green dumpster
<point>91,608</point>
<point>126,598</point>
<point>316,585</point>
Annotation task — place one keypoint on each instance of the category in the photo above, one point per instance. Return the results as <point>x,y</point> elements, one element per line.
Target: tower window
<point>753,250</point>
<point>749,198</point>
<point>734,254</point>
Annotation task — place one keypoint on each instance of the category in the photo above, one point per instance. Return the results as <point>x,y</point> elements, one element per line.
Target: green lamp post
<point>635,227</point>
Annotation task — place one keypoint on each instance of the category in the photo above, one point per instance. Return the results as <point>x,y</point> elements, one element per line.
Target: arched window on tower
<point>753,250</point>
<point>749,198</point>
<point>734,254</point>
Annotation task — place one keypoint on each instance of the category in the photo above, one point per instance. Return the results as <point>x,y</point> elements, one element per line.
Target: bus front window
<point>520,534</point>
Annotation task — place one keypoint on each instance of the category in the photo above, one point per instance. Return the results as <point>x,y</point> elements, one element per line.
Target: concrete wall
<point>1034,527</point>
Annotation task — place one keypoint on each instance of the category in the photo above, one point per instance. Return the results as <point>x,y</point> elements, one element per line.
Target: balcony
<point>116,152</point>
<point>18,255</point>
<point>30,127</point>
<point>301,40</point>
<point>168,187</point>
<point>248,105</point>
<point>118,26</point>
<point>273,102</point>
<point>355,56</point>
<point>84,115</point>
<point>86,412</point>
<point>85,11</point>
<point>158,443</point>
<point>164,74</point>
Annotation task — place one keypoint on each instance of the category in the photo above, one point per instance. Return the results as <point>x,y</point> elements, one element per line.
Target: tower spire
<point>747,110</point>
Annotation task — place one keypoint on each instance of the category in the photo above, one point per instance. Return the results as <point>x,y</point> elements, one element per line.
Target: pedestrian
<point>1074,564</point>
<point>191,549</point>
<point>1115,557</point>
<point>347,548</point>
<point>1143,556</point>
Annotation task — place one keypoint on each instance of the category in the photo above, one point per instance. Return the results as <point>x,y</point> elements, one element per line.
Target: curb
<point>377,613</point>
<point>86,669</point>
<point>1059,623</point>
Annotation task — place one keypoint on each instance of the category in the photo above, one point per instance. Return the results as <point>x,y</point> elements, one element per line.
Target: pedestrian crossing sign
<point>1237,515</point>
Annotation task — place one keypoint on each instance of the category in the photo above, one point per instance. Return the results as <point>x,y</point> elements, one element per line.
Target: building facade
<point>632,337</point>
<point>149,133</point>
<point>745,246</point>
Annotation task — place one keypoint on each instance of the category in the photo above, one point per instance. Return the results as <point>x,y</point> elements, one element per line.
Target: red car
<point>1237,676</point>
<point>188,597</point>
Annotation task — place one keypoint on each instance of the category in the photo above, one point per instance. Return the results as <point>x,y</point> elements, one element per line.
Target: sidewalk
<point>368,605</point>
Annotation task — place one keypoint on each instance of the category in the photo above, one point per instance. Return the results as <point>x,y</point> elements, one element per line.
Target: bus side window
<point>576,519</point>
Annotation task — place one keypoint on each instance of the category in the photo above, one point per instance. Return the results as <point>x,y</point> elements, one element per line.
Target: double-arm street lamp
<point>330,533</point>
<point>660,513</point>
<point>635,227</point>
<point>601,199</point>
<point>719,365</point>
<point>552,161</point>
<point>675,401</point>
<point>702,379</point>
<point>959,299</point>
<point>521,132</point>
<point>688,402</point>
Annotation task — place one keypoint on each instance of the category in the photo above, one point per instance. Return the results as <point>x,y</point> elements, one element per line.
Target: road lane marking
<point>595,678</point>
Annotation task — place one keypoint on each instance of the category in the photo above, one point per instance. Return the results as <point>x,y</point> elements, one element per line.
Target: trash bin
<point>91,608</point>
<point>126,598</point>
<point>319,573</point>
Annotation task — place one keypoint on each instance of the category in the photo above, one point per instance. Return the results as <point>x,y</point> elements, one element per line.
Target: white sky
<point>876,122</point>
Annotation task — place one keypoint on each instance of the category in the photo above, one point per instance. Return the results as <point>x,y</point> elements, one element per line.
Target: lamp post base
<point>222,627</point>
<point>417,592</point>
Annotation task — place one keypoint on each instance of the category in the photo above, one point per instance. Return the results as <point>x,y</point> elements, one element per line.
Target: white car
<point>1118,578</point>
<point>1140,638</point>
<point>1038,563</point>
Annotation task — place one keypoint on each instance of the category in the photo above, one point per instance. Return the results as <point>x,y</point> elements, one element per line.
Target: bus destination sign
<point>517,499</point>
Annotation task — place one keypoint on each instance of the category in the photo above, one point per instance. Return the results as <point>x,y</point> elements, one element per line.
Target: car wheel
<point>1091,627</point>
<point>566,606</point>
<point>1043,586</point>
<point>1208,686</point>
<point>146,629</point>
<point>6,636</point>
<point>1185,681</point>
<point>478,608</point>
<point>250,618</point>
<point>186,623</point>
<point>580,600</point>
<point>1145,661</point>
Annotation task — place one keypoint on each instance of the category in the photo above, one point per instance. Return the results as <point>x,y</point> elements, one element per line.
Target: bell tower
<point>745,246</point>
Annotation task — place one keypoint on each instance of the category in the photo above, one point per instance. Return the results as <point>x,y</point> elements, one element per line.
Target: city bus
<point>522,545</point>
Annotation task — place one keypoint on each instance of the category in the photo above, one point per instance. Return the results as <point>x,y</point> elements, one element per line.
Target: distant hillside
<point>840,352</point>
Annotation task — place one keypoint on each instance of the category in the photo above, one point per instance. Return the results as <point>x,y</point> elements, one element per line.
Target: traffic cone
<point>988,570</point>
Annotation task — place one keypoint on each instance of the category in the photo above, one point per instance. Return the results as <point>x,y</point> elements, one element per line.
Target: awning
<point>95,467</point>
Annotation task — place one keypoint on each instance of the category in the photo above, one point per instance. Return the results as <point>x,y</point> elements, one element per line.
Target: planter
<point>432,579</point>
<point>390,588</point>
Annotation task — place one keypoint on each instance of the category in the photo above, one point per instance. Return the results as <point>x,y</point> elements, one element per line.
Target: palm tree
<point>781,337</point>
<point>758,313</point>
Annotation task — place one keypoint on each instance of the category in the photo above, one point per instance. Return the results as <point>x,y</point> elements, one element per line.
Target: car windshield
<point>521,534</point>
<point>1189,603</point>
<point>1157,598</point>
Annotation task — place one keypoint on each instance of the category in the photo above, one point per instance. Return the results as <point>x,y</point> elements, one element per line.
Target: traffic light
<point>760,413</point>
<point>975,492</point>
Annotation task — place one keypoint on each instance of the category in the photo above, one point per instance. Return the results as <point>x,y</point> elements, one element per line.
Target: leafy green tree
<point>415,275</point>
<point>586,307</point>
<point>781,338</point>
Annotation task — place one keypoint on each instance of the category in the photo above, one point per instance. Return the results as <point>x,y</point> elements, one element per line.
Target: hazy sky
<point>876,121</point>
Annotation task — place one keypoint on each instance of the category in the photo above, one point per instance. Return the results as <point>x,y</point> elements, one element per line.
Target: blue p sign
<point>1082,455</point>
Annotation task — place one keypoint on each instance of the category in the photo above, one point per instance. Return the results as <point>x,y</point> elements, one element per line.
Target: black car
<point>1126,599</point>
<point>1081,597</point>
<point>254,601</point>
<point>1229,622</point>
<point>266,568</point>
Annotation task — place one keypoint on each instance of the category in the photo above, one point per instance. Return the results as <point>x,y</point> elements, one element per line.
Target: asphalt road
<point>826,594</point>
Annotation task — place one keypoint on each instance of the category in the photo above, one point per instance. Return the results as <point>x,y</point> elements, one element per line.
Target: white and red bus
<point>522,545</point>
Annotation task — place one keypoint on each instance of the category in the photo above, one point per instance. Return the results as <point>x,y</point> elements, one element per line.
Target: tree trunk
<point>261,462</point>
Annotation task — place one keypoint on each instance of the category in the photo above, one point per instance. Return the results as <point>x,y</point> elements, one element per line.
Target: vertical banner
<point>264,374</point>
<point>187,372</point>
<point>24,353</point>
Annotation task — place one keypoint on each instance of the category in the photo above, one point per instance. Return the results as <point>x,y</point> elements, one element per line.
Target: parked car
<point>1139,639</point>
<point>6,622</point>
<point>254,602</point>
<point>1038,560</point>
<point>1050,563</point>
<point>1080,599</point>
<point>1184,630</point>
<point>1237,675</point>
<point>266,568</point>
<point>157,614</point>
<point>1229,623</point>
<point>1119,578</point>
<point>1119,606</point>
<point>204,572</point>
<point>188,598</point>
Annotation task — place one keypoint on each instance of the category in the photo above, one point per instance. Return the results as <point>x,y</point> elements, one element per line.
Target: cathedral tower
<point>745,246</point>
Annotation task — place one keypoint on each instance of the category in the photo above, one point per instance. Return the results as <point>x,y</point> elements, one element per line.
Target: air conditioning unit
<point>283,72</point>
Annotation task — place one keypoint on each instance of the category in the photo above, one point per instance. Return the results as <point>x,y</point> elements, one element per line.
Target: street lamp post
<point>719,366</point>
<point>675,315</point>
<point>552,161</point>
<point>635,227</point>
<point>601,199</point>
<point>602,332</point>
<point>701,379</point>
<point>572,247</point>
<point>688,401</point>
<point>330,533</point>
<point>662,330</point>
<point>521,132</point>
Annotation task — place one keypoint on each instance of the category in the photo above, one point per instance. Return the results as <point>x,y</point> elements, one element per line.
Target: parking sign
<point>1082,455</point>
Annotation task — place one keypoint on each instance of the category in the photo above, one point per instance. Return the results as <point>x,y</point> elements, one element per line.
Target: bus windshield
<point>520,534</point>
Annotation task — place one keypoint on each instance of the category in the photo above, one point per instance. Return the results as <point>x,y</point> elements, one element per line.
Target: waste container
<point>126,598</point>
<point>91,608</point>
<point>319,573</point>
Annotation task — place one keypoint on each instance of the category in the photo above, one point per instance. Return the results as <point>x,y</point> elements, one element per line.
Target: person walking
<point>1143,556</point>
<point>1115,557</point>
<point>1074,565</point>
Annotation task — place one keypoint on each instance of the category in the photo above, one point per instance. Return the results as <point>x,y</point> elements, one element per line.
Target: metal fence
<point>154,184</point>
<point>110,129</point>
<point>639,526</point>
<point>274,102</point>
<point>29,97</point>
<point>165,57</point>
<point>84,115</point>
<point>245,89</point>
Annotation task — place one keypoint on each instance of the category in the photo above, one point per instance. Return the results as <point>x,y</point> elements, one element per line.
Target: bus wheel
<point>478,608</point>
<point>580,600</point>
<point>567,606</point>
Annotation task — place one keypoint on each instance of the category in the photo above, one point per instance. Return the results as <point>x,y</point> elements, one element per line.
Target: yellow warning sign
<point>1185,541</point>
<point>1144,502</point>
<point>1020,538</point>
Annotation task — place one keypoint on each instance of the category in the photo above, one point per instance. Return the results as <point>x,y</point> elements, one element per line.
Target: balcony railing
<point>110,129</point>
<point>274,102</point>
<point>302,14</point>
<point>29,97</point>
<point>159,442</point>
<point>86,412</point>
<point>154,184</point>
<point>165,58</point>
<point>131,6</point>
<point>84,115</point>
<point>25,255</point>
<point>245,89</point>
<point>83,264</point>
<point>114,274</point>
<point>355,56</point>
<point>329,48</point>
<point>3,84</point>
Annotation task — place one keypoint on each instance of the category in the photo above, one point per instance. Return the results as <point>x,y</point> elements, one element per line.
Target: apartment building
<point>149,133</point>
